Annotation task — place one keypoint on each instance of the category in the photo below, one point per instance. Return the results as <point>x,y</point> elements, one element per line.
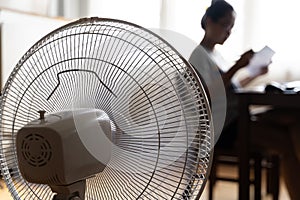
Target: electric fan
<point>104,109</point>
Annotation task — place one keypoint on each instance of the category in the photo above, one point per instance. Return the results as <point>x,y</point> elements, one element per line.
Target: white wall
<point>143,12</point>
<point>39,7</point>
<point>19,32</point>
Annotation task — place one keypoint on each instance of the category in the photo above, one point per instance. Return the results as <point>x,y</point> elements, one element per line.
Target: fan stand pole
<point>75,191</point>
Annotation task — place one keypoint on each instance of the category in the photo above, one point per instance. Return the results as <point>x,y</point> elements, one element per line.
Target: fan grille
<point>158,109</point>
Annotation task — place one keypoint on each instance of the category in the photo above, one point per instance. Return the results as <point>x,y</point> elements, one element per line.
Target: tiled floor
<point>223,191</point>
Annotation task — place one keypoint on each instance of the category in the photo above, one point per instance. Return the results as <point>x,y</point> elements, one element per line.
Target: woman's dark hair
<point>216,11</point>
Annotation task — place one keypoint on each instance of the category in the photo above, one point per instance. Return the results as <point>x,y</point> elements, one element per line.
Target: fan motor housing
<point>50,150</point>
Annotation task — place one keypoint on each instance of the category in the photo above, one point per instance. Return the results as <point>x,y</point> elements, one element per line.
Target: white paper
<point>260,59</point>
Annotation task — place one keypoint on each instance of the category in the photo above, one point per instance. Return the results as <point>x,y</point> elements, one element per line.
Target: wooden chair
<point>257,162</point>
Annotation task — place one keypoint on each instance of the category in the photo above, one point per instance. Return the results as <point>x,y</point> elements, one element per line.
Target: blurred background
<point>258,23</point>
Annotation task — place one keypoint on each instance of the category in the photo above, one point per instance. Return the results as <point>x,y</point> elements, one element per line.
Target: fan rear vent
<point>36,150</point>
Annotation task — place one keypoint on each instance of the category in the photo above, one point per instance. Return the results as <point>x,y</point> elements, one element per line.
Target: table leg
<point>243,138</point>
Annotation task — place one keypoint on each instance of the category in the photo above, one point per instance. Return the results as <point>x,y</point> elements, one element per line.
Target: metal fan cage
<point>160,116</point>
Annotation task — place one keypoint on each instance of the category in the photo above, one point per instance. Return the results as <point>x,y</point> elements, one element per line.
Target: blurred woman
<point>217,23</point>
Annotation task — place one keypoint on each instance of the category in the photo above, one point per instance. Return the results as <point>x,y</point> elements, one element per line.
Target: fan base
<point>75,191</point>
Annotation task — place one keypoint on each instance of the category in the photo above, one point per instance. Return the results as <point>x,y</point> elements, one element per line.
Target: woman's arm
<point>245,81</point>
<point>242,62</point>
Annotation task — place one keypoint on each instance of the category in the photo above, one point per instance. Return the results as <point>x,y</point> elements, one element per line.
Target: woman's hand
<point>245,59</point>
<point>242,62</point>
<point>263,70</point>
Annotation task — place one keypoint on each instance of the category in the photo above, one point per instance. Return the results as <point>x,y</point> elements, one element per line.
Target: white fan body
<point>126,117</point>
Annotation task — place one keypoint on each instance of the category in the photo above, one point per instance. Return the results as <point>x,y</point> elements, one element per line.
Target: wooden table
<point>247,98</point>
